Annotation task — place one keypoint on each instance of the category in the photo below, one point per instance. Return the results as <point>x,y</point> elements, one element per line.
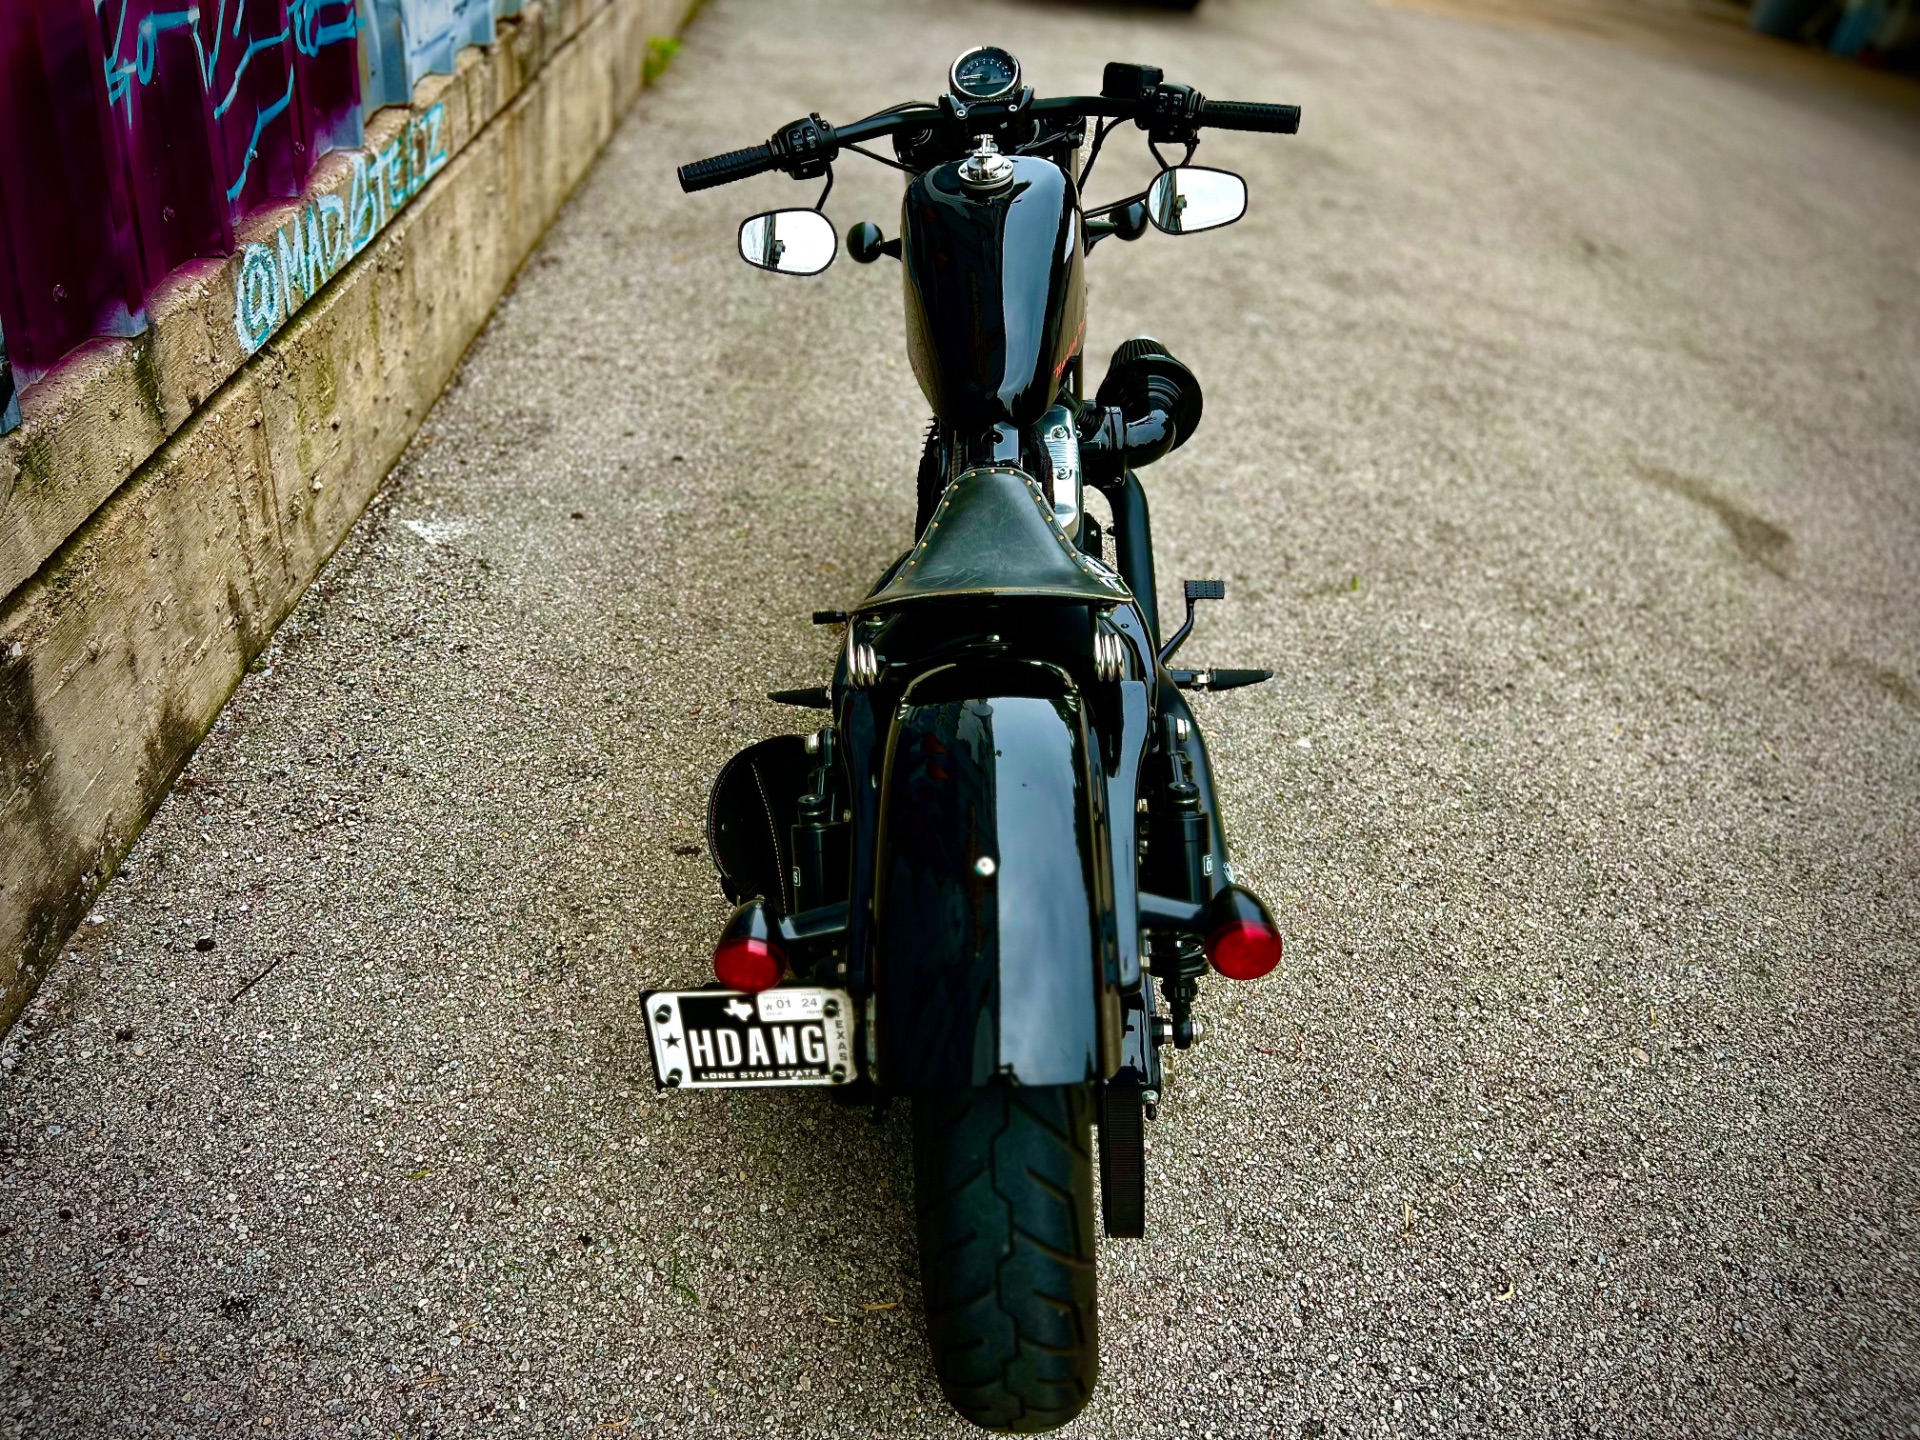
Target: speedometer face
<point>988,73</point>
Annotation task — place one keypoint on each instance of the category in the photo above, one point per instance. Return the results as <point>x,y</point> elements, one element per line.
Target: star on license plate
<point>720,1039</point>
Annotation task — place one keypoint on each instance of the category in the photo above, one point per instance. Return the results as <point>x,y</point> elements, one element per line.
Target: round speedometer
<point>985,73</point>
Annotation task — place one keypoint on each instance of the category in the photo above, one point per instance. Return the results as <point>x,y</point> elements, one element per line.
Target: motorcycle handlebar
<point>1247,115</point>
<point>725,169</point>
<point>758,159</point>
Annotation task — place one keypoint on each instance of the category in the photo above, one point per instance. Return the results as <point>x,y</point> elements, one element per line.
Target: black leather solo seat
<point>993,537</point>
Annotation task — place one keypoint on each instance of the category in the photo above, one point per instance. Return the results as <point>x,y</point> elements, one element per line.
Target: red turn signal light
<point>748,956</point>
<point>1242,941</point>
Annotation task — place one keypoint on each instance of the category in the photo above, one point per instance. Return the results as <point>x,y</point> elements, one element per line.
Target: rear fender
<point>988,878</point>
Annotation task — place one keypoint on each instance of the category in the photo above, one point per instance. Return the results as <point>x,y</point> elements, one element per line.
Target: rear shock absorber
<point>819,835</point>
<point>1178,843</point>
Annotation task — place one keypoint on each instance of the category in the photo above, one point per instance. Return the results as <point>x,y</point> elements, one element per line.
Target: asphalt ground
<point>1563,409</point>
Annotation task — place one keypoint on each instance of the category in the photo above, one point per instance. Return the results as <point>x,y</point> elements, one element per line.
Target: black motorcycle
<point>956,888</point>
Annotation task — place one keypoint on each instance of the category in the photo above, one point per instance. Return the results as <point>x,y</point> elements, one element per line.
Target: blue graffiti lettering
<point>363,206</point>
<point>312,33</point>
<point>146,49</point>
<point>260,309</point>
<point>316,243</point>
<point>290,249</point>
<point>265,118</point>
<point>333,231</point>
<point>233,90</point>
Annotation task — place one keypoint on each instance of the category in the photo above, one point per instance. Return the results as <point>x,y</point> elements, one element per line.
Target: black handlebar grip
<point>725,169</point>
<point>1245,115</point>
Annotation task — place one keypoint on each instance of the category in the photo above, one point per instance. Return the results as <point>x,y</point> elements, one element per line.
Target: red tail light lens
<point>748,963</point>
<point>1243,943</point>
<point>1244,949</point>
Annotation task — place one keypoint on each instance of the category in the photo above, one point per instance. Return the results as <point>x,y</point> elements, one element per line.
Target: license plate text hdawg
<point>709,1039</point>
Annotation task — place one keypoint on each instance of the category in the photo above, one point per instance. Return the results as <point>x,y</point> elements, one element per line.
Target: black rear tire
<point>1003,1197</point>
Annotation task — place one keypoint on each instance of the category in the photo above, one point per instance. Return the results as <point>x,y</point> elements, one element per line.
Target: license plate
<point>722,1039</point>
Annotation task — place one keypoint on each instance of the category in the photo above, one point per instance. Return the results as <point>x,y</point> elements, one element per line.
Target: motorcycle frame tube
<point>995,973</point>
<point>1133,547</point>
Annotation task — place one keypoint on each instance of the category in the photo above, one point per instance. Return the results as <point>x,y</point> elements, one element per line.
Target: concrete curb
<point>120,651</point>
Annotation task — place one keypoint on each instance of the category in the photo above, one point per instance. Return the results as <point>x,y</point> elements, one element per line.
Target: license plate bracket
<point>731,1040</point>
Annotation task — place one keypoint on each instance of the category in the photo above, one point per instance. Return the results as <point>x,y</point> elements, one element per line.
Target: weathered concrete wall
<point>119,651</point>
<point>136,134</point>
<point>105,410</point>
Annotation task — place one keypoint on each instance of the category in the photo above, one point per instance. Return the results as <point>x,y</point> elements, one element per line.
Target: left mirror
<point>1191,197</point>
<point>794,242</point>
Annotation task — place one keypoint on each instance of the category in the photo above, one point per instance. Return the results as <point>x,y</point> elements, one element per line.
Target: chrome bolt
<point>1149,1097</point>
<point>984,865</point>
<point>830,1009</point>
<point>1181,730</point>
<point>1199,1032</point>
<point>663,1014</point>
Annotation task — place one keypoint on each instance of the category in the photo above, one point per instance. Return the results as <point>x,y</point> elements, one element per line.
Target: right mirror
<point>794,242</point>
<point>1190,197</point>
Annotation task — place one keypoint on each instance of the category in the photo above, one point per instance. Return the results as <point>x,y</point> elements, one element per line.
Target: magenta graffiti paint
<point>251,64</point>
<point>162,108</point>
<point>326,73</point>
<point>69,261</point>
<point>136,134</point>
<point>9,396</point>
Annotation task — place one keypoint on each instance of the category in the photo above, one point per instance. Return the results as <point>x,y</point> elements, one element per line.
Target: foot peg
<point>814,697</point>
<point>1196,591</point>
<point>1218,679</point>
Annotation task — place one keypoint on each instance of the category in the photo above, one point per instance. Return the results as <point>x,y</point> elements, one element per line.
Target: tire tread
<point>1003,1191</point>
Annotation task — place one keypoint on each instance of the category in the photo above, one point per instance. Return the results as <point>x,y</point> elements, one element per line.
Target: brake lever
<point>1194,591</point>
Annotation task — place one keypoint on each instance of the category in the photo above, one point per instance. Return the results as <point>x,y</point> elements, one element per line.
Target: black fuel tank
<point>996,291</point>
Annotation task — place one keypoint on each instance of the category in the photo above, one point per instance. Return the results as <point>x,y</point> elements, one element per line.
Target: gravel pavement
<point>1562,454</point>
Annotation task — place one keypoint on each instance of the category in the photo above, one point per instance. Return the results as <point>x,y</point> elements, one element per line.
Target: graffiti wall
<point>136,135</point>
<point>278,277</point>
<point>9,399</point>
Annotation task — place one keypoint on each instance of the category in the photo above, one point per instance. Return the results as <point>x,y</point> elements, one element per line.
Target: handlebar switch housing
<point>1121,81</point>
<point>806,148</point>
<point>1174,119</point>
